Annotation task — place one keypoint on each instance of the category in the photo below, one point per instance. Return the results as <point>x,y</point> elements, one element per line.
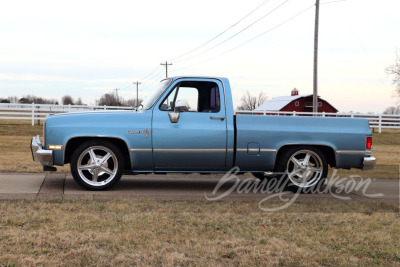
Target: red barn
<point>296,102</point>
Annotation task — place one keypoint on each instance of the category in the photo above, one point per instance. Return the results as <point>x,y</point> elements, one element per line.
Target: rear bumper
<point>368,163</point>
<point>41,156</point>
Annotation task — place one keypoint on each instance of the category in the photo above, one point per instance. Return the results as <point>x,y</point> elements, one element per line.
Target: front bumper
<point>368,163</point>
<point>40,155</point>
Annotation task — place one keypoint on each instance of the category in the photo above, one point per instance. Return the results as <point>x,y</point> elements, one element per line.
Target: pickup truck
<point>188,125</point>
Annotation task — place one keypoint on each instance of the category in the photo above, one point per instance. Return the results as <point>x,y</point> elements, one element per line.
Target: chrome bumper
<point>368,163</point>
<point>41,156</point>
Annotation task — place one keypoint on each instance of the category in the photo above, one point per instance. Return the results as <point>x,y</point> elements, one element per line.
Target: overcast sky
<point>87,48</point>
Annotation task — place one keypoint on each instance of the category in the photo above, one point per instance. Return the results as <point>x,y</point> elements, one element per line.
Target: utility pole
<point>116,93</point>
<point>315,82</point>
<point>166,64</point>
<point>137,93</point>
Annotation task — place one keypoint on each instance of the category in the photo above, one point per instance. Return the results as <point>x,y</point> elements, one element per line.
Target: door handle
<point>217,118</point>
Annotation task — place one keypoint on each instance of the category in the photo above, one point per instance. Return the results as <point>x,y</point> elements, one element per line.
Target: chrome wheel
<point>305,168</point>
<point>97,166</point>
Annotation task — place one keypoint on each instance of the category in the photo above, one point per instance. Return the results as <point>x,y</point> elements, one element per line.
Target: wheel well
<point>74,143</point>
<point>328,151</point>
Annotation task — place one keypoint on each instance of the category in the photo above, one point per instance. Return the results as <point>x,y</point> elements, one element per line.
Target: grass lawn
<point>165,233</point>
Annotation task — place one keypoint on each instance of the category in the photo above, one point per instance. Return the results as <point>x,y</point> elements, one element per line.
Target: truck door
<point>194,138</point>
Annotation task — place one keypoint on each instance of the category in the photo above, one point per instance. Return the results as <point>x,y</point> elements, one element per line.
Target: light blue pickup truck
<point>188,125</point>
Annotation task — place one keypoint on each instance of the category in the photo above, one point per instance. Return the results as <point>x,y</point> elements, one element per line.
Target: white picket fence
<point>376,121</point>
<point>37,112</point>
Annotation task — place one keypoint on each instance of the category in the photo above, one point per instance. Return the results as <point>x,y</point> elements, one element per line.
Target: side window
<point>191,95</point>
<point>198,95</point>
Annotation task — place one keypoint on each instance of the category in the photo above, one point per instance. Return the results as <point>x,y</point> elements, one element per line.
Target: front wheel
<point>97,165</point>
<point>305,167</point>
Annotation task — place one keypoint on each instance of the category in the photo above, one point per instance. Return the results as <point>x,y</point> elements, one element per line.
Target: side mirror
<point>181,106</point>
<point>174,117</point>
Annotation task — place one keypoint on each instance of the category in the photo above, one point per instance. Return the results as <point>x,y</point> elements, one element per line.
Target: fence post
<point>69,107</point>
<point>294,113</point>
<point>33,114</point>
<point>380,123</point>
<point>323,114</point>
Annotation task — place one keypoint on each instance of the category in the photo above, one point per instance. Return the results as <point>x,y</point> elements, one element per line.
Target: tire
<point>97,165</point>
<point>305,168</point>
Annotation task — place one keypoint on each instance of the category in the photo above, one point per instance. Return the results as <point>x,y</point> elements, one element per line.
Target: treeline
<point>108,99</point>
<point>29,99</point>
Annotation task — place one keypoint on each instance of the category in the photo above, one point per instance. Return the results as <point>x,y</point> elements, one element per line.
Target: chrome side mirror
<point>174,117</point>
<point>181,106</point>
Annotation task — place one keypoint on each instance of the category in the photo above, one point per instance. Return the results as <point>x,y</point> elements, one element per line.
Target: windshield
<point>149,101</point>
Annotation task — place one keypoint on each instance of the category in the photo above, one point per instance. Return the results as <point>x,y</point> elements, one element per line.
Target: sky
<point>88,48</point>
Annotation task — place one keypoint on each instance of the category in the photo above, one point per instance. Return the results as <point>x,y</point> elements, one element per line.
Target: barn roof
<point>277,103</point>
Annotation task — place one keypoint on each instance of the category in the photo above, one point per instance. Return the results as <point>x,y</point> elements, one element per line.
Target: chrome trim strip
<point>357,152</point>
<point>140,150</point>
<point>189,150</point>
<point>268,150</point>
<point>263,150</point>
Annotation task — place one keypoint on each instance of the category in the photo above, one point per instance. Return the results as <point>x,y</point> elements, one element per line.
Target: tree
<point>12,99</point>
<point>394,70</point>
<point>249,102</point>
<point>79,102</point>
<point>67,100</point>
<point>37,100</point>
<point>392,110</point>
<point>132,102</point>
<point>108,100</point>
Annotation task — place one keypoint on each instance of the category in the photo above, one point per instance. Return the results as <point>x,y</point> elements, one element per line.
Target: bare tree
<point>37,100</point>
<point>108,100</point>
<point>67,100</point>
<point>392,110</point>
<point>13,99</point>
<point>79,102</point>
<point>394,71</point>
<point>250,102</point>
<point>132,102</point>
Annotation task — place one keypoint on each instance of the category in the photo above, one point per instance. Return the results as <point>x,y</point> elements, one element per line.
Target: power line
<point>315,74</point>
<point>166,64</point>
<point>252,39</point>
<point>116,92</point>
<point>218,35</point>
<point>137,93</point>
<point>229,38</point>
<point>148,75</point>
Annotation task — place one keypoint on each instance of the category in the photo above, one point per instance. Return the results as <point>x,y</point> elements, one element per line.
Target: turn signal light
<point>55,147</point>
<point>368,143</point>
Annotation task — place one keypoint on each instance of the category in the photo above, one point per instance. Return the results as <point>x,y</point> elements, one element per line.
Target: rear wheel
<point>97,165</point>
<point>305,167</point>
